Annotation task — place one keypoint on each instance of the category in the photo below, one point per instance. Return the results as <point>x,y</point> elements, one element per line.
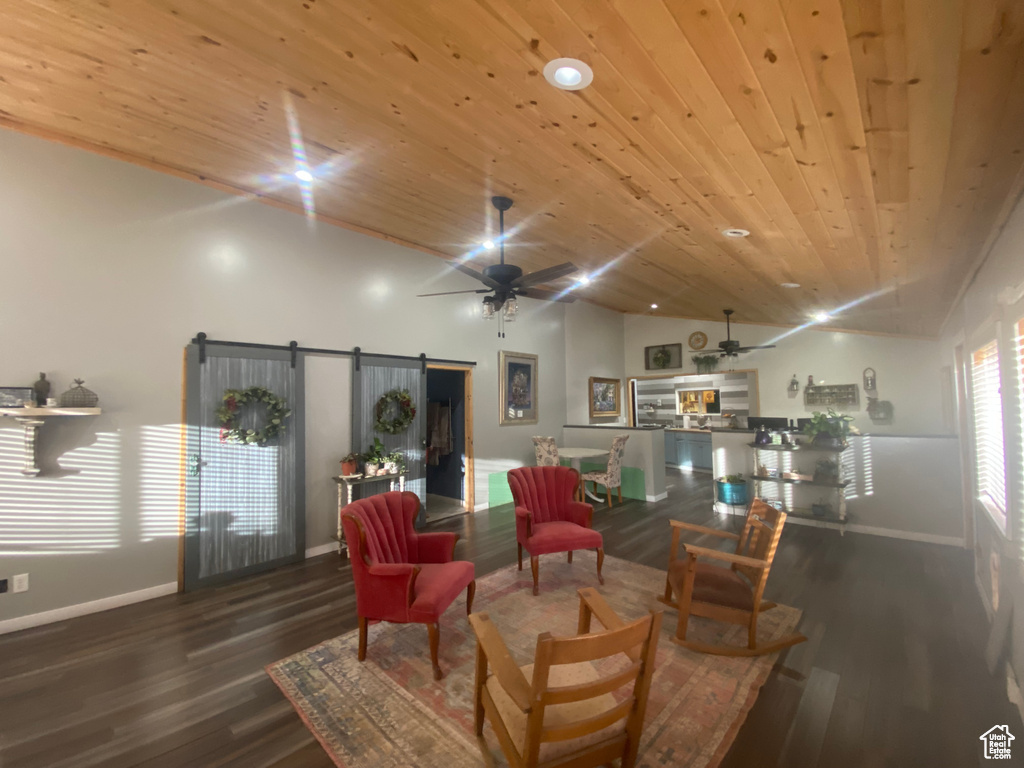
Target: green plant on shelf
<point>376,453</point>
<point>705,363</point>
<point>733,479</point>
<point>830,427</point>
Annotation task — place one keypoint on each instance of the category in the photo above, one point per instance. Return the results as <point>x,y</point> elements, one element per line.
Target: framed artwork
<point>663,356</point>
<point>604,397</point>
<point>15,397</point>
<point>517,388</point>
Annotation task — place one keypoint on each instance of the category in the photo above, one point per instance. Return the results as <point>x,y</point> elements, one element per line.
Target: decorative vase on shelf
<point>79,397</point>
<point>390,468</point>
<point>371,469</point>
<point>348,468</point>
<point>762,437</point>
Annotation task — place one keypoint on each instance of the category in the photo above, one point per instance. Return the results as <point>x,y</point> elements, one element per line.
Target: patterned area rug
<point>388,712</point>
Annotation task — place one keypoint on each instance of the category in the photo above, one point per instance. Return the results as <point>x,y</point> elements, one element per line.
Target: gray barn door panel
<point>371,378</point>
<point>245,504</point>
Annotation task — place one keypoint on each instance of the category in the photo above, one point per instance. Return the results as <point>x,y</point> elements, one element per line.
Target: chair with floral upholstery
<point>546,450</point>
<point>612,476</point>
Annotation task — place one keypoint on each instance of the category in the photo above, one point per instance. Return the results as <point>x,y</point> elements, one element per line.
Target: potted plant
<point>350,464</point>
<point>374,457</point>
<point>732,489</point>
<point>828,430</point>
<point>394,462</point>
<point>705,363</point>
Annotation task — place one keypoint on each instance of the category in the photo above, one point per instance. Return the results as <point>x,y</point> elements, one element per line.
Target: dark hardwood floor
<point>893,673</point>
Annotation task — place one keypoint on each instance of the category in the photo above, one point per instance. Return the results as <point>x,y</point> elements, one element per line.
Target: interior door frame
<point>190,441</point>
<point>469,481</point>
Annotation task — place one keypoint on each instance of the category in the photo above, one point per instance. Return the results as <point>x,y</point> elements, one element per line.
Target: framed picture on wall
<point>517,388</point>
<point>663,356</point>
<point>604,397</point>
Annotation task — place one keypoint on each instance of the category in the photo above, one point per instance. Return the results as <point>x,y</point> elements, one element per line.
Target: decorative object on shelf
<point>350,464</point>
<point>705,363</point>
<point>822,508</point>
<point>41,390</point>
<point>662,356</point>
<point>229,413</point>
<point>794,384</point>
<point>869,379</point>
<point>394,412</point>
<point>832,394</point>
<point>15,397</point>
<point>697,340</point>
<point>732,489</point>
<point>79,397</point>
<point>826,471</point>
<point>880,411</point>
<point>604,397</point>
<point>763,436</point>
<point>374,458</point>
<point>828,430</point>
<point>517,388</point>
<point>810,380</point>
<point>786,438</point>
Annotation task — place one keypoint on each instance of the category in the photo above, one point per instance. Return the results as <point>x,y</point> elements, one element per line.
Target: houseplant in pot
<point>829,430</point>
<point>732,489</point>
<point>394,463</point>
<point>374,457</point>
<point>705,363</point>
<point>350,464</point>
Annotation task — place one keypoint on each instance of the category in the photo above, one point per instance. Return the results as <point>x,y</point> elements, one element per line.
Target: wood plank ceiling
<point>870,146</point>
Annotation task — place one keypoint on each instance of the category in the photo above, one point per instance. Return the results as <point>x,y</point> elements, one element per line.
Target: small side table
<point>345,485</point>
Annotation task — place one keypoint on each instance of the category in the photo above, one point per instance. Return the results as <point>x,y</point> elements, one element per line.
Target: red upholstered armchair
<point>401,575</point>
<point>548,519</point>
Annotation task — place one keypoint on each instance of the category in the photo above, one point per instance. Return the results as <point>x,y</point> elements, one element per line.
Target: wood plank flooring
<point>893,673</point>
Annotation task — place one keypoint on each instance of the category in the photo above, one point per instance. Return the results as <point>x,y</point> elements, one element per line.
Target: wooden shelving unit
<point>835,486</point>
<point>832,395</point>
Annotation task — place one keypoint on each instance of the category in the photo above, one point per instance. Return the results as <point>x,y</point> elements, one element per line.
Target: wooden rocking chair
<point>731,594</point>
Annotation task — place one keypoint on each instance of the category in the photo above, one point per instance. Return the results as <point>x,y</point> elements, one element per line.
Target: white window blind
<point>988,429</point>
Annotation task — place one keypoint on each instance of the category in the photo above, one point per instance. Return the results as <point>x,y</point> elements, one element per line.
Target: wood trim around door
<point>469,502</point>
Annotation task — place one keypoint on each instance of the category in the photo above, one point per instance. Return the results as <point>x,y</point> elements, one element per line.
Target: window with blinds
<point>988,430</point>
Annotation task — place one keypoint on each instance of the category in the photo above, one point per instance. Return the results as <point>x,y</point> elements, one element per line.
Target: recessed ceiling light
<point>822,317</point>
<point>568,74</point>
<point>736,232</point>
<point>790,285</point>
<point>488,244</point>
<point>303,175</point>
<point>654,306</point>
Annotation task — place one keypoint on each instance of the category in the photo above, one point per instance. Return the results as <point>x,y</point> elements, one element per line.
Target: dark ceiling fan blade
<point>747,349</point>
<point>545,275</point>
<point>474,274</point>
<point>539,293</point>
<point>449,293</point>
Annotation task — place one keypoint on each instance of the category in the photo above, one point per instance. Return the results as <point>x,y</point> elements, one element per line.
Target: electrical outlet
<point>21,582</point>
<point>3,586</point>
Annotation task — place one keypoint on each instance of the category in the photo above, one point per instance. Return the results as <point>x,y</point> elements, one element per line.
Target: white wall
<point>907,369</point>
<point>593,347</point>
<point>110,269</point>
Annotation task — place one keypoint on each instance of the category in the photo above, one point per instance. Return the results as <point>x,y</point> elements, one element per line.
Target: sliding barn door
<point>371,378</point>
<point>245,504</point>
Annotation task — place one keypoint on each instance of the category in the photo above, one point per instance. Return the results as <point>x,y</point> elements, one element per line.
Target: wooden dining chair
<point>560,710</point>
<point>730,594</point>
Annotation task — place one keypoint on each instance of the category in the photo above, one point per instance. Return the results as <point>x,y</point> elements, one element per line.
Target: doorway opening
<point>449,421</point>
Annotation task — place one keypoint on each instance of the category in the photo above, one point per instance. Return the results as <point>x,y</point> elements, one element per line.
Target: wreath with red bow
<point>394,412</point>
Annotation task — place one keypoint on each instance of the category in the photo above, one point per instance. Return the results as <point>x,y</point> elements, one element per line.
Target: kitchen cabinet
<point>688,450</point>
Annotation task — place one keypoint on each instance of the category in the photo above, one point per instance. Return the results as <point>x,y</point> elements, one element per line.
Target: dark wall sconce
<point>794,384</point>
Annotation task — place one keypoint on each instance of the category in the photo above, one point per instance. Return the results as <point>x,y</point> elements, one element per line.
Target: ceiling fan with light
<point>506,281</point>
<point>731,347</point>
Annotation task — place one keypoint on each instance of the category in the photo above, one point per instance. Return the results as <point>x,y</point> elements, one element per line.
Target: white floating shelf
<point>32,419</point>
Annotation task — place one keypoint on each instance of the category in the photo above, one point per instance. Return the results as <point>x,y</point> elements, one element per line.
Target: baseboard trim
<point>323,549</point>
<point>658,497</point>
<point>871,530</point>
<point>82,609</point>
<point>481,507</point>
